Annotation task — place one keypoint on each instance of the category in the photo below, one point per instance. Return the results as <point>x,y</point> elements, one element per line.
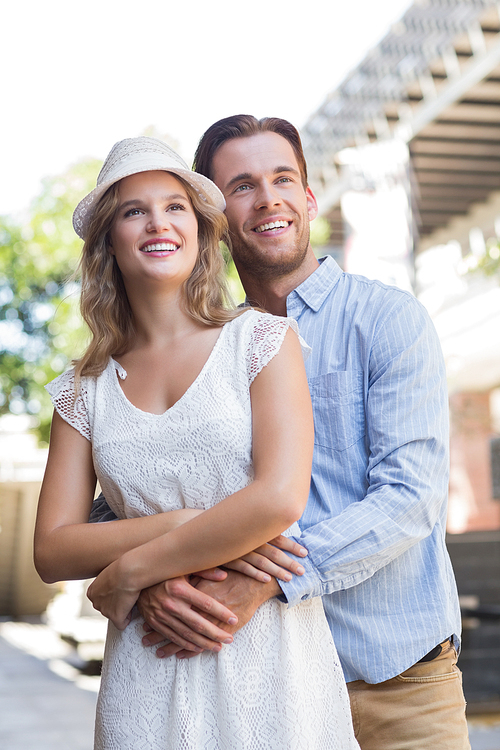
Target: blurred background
<point>398,105</point>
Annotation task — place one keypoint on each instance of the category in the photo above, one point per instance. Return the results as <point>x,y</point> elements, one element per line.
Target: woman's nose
<point>158,221</point>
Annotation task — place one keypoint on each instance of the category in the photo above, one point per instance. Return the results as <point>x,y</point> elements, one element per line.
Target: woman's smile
<point>159,246</point>
<point>154,219</point>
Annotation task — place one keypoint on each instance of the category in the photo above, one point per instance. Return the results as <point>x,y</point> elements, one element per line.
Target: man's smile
<point>272,225</point>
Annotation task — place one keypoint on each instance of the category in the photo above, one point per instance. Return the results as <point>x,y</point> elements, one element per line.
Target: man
<point>375,521</point>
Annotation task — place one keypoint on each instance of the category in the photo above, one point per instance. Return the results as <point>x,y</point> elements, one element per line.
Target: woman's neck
<point>160,317</point>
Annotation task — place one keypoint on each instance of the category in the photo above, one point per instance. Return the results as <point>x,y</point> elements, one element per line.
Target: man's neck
<point>270,296</point>
<point>271,293</point>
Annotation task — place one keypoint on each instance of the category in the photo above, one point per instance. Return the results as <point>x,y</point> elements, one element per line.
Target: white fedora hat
<point>142,154</point>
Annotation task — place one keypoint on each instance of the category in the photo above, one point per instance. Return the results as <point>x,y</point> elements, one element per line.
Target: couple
<point>374,522</point>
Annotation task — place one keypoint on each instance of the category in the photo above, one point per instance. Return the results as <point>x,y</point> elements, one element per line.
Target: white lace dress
<point>279,685</point>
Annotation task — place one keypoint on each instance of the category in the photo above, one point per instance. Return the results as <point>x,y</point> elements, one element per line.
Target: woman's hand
<point>112,595</point>
<point>271,560</point>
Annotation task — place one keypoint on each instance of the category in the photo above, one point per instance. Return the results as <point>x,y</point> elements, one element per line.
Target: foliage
<point>320,232</point>
<point>489,263</point>
<point>235,288</point>
<point>40,328</point>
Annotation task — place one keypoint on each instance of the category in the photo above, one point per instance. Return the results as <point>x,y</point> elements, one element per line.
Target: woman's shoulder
<point>257,326</point>
<point>66,381</point>
<point>63,382</point>
<point>258,337</point>
<point>74,398</point>
<point>257,322</point>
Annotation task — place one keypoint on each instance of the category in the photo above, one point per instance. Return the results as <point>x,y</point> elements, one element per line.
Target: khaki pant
<point>420,709</point>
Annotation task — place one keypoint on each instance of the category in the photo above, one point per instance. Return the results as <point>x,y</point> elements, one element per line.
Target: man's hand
<point>237,594</point>
<point>175,610</point>
<point>271,560</point>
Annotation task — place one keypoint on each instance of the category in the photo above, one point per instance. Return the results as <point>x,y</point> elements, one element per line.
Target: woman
<point>197,422</point>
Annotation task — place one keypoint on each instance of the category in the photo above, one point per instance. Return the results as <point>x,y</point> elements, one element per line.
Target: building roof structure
<point>434,82</point>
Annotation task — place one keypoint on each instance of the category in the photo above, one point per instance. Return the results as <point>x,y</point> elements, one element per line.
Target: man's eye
<point>284,179</point>
<point>241,188</point>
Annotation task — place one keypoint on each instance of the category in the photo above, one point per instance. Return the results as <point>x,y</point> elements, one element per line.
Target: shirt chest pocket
<point>338,405</point>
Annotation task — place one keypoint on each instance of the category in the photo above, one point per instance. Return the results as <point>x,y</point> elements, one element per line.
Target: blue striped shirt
<point>375,521</point>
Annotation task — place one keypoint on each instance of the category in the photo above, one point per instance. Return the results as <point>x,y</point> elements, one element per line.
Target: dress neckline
<point>119,370</point>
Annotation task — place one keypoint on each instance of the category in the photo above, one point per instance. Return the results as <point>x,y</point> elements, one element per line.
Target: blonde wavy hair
<point>104,303</point>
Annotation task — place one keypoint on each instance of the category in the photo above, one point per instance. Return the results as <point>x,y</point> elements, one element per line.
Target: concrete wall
<point>21,590</point>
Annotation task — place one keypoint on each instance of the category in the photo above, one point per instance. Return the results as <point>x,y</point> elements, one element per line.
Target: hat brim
<point>83,213</point>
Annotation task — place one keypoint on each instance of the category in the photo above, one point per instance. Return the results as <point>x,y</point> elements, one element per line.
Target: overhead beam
<point>486,91</point>
<point>472,113</point>
<point>426,176</point>
<point>476,70</point>
<point>472,193</point>
<point>461,131</point>
<point>445,203</point>
<point>435,218</point>
<point>454,147</point>
<point>456,164</point>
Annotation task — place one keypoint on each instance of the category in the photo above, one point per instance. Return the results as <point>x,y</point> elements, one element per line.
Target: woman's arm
<point>66,546</point>
<point>282,456</point>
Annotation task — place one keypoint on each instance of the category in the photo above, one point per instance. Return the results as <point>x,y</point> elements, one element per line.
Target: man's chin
<point>275,264</point>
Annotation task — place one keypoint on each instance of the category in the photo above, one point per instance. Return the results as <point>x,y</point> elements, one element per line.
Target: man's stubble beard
<point>264,267</point>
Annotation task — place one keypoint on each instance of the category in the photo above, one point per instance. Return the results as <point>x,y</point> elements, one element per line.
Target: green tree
<point>40,327</point>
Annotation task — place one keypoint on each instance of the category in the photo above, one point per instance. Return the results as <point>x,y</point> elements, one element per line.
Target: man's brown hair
<point>243,126</point>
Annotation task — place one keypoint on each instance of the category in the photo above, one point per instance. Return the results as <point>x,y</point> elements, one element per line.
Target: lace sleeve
<point>267,335</point>
<point>72,409</point>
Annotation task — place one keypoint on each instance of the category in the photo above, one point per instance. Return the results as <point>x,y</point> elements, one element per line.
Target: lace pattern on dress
<point>73,410</point>
<point>268,335</point>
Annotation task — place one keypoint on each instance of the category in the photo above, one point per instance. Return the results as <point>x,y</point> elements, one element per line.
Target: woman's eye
<point>176,207</point>
<point>132,212</point>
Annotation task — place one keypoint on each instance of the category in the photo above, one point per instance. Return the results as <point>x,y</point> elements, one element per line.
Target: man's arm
<point>173,610</point>
<point>407,469</point>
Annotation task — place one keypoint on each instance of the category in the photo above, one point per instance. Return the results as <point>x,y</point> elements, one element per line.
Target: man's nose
<point>267,196</point>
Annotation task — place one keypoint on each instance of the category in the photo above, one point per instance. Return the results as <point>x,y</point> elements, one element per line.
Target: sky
<point>79,77</point>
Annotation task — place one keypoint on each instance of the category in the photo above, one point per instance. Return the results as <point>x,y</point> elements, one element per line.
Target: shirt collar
<point>315,289</point>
